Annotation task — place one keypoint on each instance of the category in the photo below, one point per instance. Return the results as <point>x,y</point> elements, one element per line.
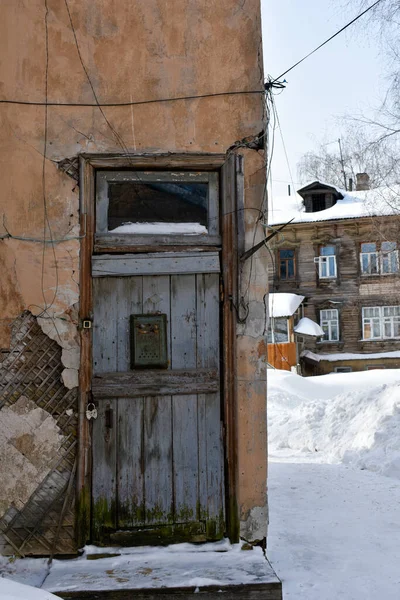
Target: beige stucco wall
<point>134,51</point>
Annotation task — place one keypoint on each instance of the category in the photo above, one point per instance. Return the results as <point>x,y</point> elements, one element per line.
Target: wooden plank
<point>156,299</point>
<point>207,356</point>
<point>202,456</point>
<point>157,460</point>
<point>151,176</point>
<point>156,248</point>
<point>250,591</point>
<point>104,447</point>
<point>188,160</point>
<point>134,384</point>
<point>215,478</point>
<point>131,504</point>
<point>230,280</point>
<point>129,298</point>
<point>104,472</point>
<point>87,226</point>
<point>194,532</point>
<point>155,264</point>
<point>130,478</point>
<point>104,326</point>
<point>185,459</point>
<point>183,321</point>
<point>122,240</point>
<point>208,321</point>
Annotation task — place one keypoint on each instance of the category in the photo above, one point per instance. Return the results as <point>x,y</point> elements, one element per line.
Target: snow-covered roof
<point>283,305</point>
<point>349,356</point>
<point>370,203</point>
<point>308,327</point>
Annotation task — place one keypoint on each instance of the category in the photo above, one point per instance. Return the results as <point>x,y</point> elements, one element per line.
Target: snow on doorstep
<point>181,565</point>
<point>348,355</point>
<point>379,201</point>
<point>283,305</point>
<point>353,418</point>
<point>12,590</point>
<point>161,228</point>
<point>308,327</point>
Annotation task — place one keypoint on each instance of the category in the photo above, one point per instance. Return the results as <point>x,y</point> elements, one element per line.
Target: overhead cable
<point>270,83</point>
<point>133,103</point>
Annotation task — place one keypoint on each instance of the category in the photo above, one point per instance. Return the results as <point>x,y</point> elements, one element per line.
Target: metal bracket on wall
<point>257,247</point>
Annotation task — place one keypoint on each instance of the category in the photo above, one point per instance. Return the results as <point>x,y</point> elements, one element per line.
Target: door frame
<point>230,168</point>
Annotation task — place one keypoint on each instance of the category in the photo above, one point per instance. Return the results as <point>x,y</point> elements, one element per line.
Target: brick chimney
<point>362,182</point>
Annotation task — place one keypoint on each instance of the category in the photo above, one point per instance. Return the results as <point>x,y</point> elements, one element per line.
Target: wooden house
<point>133,374</point>
<point>340,251</point>
<point>287,330</point>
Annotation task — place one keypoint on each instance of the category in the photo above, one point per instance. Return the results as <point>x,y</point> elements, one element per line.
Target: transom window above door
<point>157,203</point>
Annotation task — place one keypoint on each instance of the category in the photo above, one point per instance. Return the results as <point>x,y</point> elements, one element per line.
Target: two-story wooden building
<point>340,251</point>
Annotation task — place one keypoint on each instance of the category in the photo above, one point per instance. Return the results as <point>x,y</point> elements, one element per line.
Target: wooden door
<point>157,440</point>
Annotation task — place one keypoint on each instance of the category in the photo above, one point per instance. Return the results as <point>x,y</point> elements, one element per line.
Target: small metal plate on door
<point>149,341</point>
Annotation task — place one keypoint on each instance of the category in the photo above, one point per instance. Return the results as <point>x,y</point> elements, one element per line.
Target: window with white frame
<point>329,321</point>
<point>378,258</point>
<point>278,331</point>
<point>381,322</point>
<point>326,262</point>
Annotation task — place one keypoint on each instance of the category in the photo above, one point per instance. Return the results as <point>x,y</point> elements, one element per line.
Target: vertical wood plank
<point>130,463</point>
<point>104,471</point>
<point>202,457</point>
<point>183,321</point>
<point>215,479</point>
<point>129,302</point>
<point>104,325</point>
<point>157,299</point>
<point>207,320</point>
<point>157,458</point>
<point>184,354</point>
<point>186,458</point>
<point>211,480</point>
<point>130,479</point>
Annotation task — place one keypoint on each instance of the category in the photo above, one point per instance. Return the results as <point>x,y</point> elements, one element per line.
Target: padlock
<point>91,411</point>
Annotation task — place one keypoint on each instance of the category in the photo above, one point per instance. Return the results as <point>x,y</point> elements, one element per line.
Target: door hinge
<point>221,290</point>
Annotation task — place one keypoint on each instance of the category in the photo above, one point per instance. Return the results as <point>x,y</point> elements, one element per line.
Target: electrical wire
<point>269,83</point>
<point>133,103</point>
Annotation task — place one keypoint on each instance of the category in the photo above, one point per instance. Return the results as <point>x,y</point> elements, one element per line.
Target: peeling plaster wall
<point>133,51</point>
<point>29,441</point>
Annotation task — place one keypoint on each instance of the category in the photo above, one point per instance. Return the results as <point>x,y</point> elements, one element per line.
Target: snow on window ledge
<point>161,228</point>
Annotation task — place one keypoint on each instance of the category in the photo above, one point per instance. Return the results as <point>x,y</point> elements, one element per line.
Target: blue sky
<point>344,77</point>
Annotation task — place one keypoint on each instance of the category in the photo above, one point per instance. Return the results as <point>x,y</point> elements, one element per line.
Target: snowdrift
<point>352,418</point>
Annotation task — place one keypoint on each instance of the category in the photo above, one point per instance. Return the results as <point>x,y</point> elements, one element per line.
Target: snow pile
<point>352,418</point>
<point>12,590</point>
<point>308,327</point>
<point>283,305</point>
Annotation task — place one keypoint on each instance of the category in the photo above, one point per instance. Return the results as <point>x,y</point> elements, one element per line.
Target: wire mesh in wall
<point>42,445</point>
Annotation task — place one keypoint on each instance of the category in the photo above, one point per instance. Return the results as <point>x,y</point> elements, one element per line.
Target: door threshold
<point>179,570</point>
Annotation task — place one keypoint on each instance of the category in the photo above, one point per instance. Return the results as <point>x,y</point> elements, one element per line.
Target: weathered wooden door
<point>157,440</point>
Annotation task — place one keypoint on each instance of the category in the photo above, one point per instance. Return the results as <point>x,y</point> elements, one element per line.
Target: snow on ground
<point>334,484</point>
<point>12,590</point>
<point>342,417</point>
<point>180,565</point>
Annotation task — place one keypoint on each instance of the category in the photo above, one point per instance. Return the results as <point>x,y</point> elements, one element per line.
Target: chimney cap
<point>362,182</point>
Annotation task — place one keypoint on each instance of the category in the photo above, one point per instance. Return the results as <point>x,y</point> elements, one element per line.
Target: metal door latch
<point>91,411</point>
<point>86,324</point>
